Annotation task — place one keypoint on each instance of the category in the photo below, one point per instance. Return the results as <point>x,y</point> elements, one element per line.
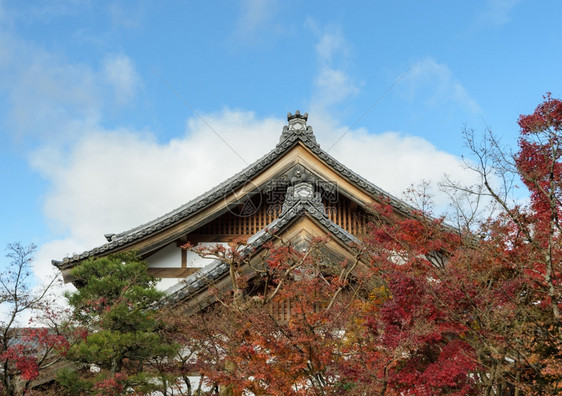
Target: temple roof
<point>296,132</point>
<point>218,269</point>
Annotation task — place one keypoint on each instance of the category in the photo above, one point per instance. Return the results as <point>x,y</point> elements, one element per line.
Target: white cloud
<point>392,160</point>
<point>120,72</point>
<point>434,84</point>
<point>255,15</point>
<point>46,91</point>
<point>332,87</point>
<point>2,11</point>
<point>52,99</point>
<point>332,84</point>
<point>395,161</point>
<point>129,17</point>
<point>110,181</point>
<point>497,12</point>
<point>331,43</point>
<point>48,10</point>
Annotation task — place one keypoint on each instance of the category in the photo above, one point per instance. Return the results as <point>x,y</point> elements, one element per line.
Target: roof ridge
<point>289,135</point>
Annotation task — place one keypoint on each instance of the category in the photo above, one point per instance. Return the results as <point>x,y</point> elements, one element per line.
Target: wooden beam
<point>196,238</point>
<point>184,258</point>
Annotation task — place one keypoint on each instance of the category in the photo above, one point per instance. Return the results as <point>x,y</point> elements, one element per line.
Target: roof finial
<point>297,118</point>
<point>297,126</point>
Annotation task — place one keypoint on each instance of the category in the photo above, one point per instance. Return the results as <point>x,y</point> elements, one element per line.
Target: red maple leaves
<point>424,309</point>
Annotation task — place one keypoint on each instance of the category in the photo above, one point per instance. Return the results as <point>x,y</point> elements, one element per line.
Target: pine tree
<point>121,335</point>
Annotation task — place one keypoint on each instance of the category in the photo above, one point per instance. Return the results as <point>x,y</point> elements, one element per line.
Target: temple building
<point>295,193</point>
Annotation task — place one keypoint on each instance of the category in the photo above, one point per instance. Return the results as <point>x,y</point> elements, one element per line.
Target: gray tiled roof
<point>289,139</point>
<point>217,269</point>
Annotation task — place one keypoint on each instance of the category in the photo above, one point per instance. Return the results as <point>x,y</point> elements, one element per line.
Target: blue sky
<point>94,141</point>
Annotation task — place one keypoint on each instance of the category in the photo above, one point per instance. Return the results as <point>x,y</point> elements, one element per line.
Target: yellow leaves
<point>475,325</point>
<point>379,295</point>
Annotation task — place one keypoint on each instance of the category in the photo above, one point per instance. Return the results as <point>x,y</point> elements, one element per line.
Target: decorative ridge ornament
<point>301,189</point>
<point>297,126</point>
<point>297,121</point>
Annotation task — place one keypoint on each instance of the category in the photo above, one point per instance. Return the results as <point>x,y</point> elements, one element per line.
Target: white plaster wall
<point>196,261</point>
<point>168,257</point>
<point>165,283</point>
<point>182,389</point>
